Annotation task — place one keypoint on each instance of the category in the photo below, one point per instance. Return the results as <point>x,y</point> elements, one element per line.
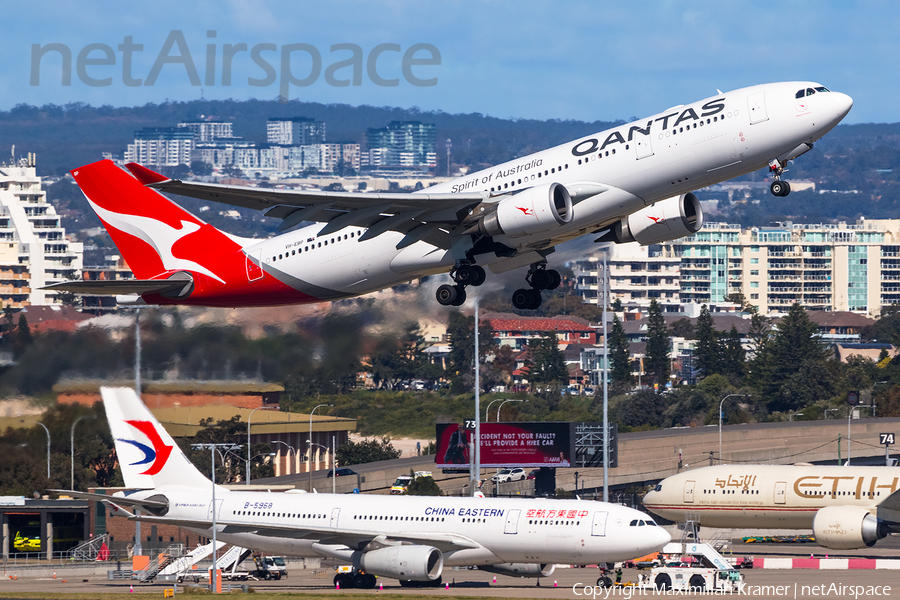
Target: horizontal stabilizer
<point>115,288</point>
<point>120,500</point>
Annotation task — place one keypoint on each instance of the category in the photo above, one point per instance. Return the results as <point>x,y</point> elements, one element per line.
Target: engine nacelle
<point>666,220</point>
<point>412,563</point>
<point>846,528</point>
<point>530,211</point>
<point>519,569</point>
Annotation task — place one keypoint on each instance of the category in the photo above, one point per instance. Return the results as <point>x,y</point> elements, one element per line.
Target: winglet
<point>145,175</point>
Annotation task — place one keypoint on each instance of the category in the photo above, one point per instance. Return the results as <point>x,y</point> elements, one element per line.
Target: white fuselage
<point>500,530</point>
<point>638,164</point>
<point>768,496</point>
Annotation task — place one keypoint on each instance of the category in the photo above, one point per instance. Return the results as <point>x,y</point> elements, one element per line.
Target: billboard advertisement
<point>507,445</point>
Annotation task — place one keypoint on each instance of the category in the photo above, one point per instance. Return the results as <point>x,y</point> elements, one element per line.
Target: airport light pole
<point>475,475</point>
<point>310,444</point>
<point>48,447</point>
<point>72,448</point>
<point>212,453</point>
<point>499,408</point>
<point>487,412</point>
<point>720,418</point>
<point>250,416</point>
<point>290,450</point>
<point>605,378</point>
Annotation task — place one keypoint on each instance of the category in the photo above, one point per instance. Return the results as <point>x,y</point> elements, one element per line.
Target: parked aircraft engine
<point>411,563</point>
<point>519,569</point>
<point>666,220</point>
<point>846,527</point>
<point>533,210</point>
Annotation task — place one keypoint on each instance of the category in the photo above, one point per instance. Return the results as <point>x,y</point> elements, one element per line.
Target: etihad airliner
<point>845,507</point>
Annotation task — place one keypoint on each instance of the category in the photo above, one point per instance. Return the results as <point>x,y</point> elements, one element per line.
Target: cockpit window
<point>822,89</point>
<point>652,523</point>
<point>658,488</point>
<point>810,91</point>
<point>633,523</point>
<point>800,94</point>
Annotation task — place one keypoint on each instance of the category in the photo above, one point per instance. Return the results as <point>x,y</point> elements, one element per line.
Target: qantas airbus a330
<point>629,183</point>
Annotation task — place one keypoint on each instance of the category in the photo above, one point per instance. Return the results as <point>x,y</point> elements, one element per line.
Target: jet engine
<point>411,563</point>
<point>519,569</point>
<point>666,220</point>
<point>846,527</point>
<point>533,210</point>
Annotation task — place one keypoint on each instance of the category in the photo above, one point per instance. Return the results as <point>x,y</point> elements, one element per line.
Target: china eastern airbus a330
<point>410,538</point>
<point>629,183</point>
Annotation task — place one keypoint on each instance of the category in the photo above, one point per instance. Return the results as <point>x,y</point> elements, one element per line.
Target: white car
<point>509,475</point>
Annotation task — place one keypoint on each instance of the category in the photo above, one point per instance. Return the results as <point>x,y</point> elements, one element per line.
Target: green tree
<point>658,344</point>
<point>461,332</point>
<point>734,356</point>
<point>366,451</point>
<point>708,348</point>
<point>423,486</point>
<point>546,362</point>
<point>620,370</point>
<point>795,345</point>
<point>643,408</point>
<point>760,364</point>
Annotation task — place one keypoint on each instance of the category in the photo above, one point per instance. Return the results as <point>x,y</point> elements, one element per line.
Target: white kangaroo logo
<point>159,235</point>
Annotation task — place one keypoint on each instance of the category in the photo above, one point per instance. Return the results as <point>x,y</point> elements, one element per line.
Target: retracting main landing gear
<point>539,277</point>
<point>778,187</point>
<point>463,274</point>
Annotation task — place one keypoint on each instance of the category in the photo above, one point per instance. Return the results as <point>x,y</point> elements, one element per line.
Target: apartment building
<point>823,266</point>
<point>637,275</point>
<point>34,251</point>
<point>295,131</point>
<point>161,147</point>
<point>208,131</point>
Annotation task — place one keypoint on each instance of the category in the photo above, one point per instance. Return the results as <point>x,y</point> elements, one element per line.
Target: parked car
<point>509,475</point>
<point>532,474</point>
<point>341,472</point>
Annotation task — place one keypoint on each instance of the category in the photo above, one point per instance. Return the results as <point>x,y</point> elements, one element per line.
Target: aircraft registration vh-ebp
<point>633,182</point>
<point>410,538</point>
<point>845,507</point>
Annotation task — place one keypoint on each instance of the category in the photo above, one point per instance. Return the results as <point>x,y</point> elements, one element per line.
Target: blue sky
<point>527,59</point>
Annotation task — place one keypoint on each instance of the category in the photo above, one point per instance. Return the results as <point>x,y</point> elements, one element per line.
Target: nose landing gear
<point>778,187</point>
<point>539,277</point>
<point>463,274</point>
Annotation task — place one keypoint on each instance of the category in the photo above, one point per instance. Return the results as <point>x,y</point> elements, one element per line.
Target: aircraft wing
<point>419,216</point>
<point>117,500</point>
<point>122,286</point>
<point>355,539</point>
<point>378,211</point>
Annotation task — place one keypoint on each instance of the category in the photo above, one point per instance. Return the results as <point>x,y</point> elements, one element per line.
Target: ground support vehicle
<point>693,579</point>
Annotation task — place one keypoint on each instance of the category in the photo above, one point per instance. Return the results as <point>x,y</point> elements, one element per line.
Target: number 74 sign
<point>886,439</point>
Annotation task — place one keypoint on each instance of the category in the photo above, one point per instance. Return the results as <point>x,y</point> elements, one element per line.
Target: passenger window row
<point>319,244</point>
<point>532,178</point>
<point>393,518</point>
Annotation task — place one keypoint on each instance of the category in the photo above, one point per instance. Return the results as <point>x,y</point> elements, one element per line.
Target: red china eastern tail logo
<point>157,455</point>
<point>526,211</point>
